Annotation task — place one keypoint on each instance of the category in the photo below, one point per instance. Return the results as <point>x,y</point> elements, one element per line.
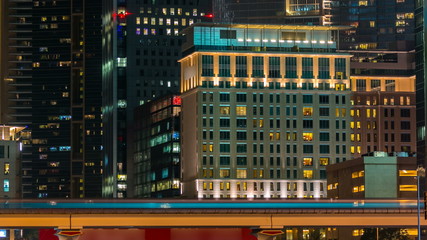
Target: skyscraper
<point>421,74</point>
<point>53,83</point>
<point>147,42</point>
<point>264,110</point>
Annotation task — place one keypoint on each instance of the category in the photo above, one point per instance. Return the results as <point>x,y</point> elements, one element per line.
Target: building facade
<point>155,171</point>
<point>381,175</point>
<point>258,107</point>
<point>383,114</point>
<point>51,80</point>
<point>146,43</point>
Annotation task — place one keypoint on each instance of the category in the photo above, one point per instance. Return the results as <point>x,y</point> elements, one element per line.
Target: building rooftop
<point>271,26</point>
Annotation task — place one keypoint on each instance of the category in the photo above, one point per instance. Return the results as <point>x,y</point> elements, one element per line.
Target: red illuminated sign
<point>176,100</point>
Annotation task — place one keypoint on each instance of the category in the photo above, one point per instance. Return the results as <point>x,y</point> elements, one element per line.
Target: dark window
<point>405,137</point>
<point>241,161</point>
<point>405,125</point>
<point>324,149</point>
<point>405,112</point>
<point>224,160</point>
<point>307,148</point>
<point>227,34</point>
<point>324,124</point>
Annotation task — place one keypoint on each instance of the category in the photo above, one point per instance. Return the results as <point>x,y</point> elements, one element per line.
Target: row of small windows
<point>171,11</point>
<point>272,136</point>
<point>390,85</point>
<point>276,85</point>
<point>402,100</point>
<point>274,63</point>
<point>306,123</point>
<point>164,21</point>
<point>225,160</point>
<point>242,173</point>
<point>273,98</point>
<point>259,186</point>
<point>357,137</point>
<point>243,148</point>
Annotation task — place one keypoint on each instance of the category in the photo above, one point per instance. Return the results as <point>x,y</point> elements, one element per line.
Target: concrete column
<point>11,234</point>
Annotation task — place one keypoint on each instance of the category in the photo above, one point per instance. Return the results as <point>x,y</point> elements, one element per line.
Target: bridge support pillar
<point>267,234</point>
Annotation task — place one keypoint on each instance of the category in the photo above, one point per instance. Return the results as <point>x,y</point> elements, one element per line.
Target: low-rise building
<point>379,175</point>
<point>10,161</point>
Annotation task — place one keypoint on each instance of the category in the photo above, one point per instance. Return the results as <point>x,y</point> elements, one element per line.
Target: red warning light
<point>210,15</point>
<point>121,15</point>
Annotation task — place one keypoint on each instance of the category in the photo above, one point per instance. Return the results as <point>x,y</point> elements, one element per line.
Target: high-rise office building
<point>312,12</point>
<point>264,110</point>
<point>421,74</point>
<point>53,81</point>
<point>383,114</point>
<point>156,149</point>
<point>15,74</point>
<point>147,42</point>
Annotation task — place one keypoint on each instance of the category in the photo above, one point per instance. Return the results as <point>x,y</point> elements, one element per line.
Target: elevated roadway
<point>264,214</point>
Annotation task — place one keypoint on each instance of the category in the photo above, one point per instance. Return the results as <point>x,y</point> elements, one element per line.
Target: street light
<point>421,172</point>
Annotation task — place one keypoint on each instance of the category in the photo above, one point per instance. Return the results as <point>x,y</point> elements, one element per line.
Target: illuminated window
<point>307,137</point>
<point>400,23</point>
<point>372,23</point>
<point>160,21</point>
<point>138,20</point>
<point>308,161</point>
<point>241,173</point>
<point>277,136</point>
<point>407,173</point>
<point>363,3</point>
<point>407,188</point>
<point>172,11</point>
<point>6,185</point>
<point>224,173</point>
<point>224,110</point>
<point>153,21</point>
<point>183,22</point>
<point>241,111</point>
<point>307,111</point>
<point>358,125</point>
<point>355,175</point>
<point>352,125</point>
<point>6,168</point>
<point>168,21</point>
<point>355,189</point>
<point>362,188</point>
<point>308,174</point>
<point>145,20</point>
<point>323,161</point>
<point>361,173</point>
<point>164,11</point>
